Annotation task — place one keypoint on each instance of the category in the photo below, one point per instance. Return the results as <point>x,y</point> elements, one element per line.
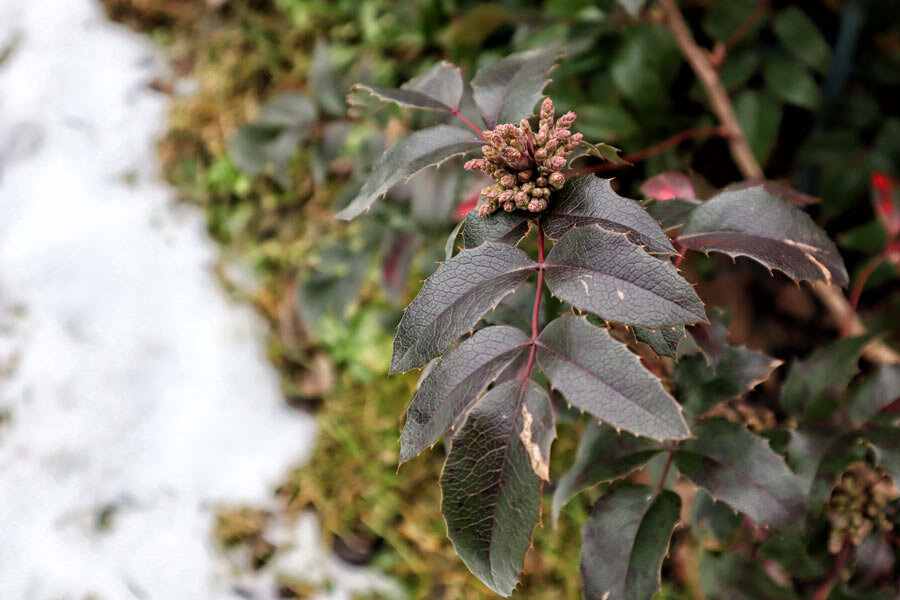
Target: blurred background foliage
<point>260,138</point>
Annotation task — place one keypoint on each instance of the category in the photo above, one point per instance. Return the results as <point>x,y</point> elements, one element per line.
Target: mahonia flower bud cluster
<point>754,417</point>
<point>857,505</point>
<point>525,165</point>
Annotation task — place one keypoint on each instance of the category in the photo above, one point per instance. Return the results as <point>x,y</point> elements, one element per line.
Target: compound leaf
<point>503,227</point>
<point>603,455</point>
<point>663,341</point>
<point>591,200</point>
<point>603,272</point>
<point>625,541</point>
<point>739,468</point>
<point>491,487</point>
<point>455,382</point>
<point>601,376</point>
<point>672,214</point>
<point>454,299</point>
<point>507,90</point>
<point>755,223</point>
<point>439,88</point>
<point>407,157</point>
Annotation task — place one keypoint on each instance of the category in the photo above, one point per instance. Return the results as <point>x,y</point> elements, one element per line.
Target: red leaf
<point>668,186</point>
<point>884,197</point>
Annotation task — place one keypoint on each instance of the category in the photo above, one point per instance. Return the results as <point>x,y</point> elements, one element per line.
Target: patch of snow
<point>130,385</point>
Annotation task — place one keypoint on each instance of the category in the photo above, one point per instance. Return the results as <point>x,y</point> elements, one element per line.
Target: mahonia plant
<point>489,372</point>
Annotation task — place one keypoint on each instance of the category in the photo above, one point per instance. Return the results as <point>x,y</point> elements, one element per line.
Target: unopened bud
<point>557,180</point>
<point>557,162</point>
<point>524,175</point>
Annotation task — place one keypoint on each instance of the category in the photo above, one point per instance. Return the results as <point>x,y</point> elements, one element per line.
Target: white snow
<point>127,377</point>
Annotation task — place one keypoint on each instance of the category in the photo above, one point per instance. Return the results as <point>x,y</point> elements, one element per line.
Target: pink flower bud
<point>524,175</point>
<point>507,181</point>
<point>557,162</point>
<point>541,181</point>
<point>540,154</point>
<point>509,206</point>
<point>557,180</point>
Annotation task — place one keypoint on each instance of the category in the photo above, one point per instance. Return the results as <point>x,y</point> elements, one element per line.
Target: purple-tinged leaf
<point>740,469</point>
<point>603,272</point>
<point>672,214</point>
<point>396,256</point>
<point>816,384</point>
<point>663,341</point>
<point>602,151</point>
<point>700,387</point>
<point>492,481</point>
<point>671,185</point>
<point>433,194</point>
<point>591,200</point>
<point>516,310</point>
<point>819,455</point>
<point>885,441</point>
<point>757,224</point>
<point>502,227</point>
<point>507,90</point>
<point>785,192</point>
<point>625,541</point>
<point>875,394</point>
<point>439,88</point>
<point>454,299</point>
<point>454,382</point>
<point>408,156</point>
<point>710,339</point>
<point>602,377</point>
<point>603,455</point>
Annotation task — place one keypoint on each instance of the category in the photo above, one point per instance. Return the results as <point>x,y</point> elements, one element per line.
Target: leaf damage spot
<point>620,294</point>
<point>539,464</point>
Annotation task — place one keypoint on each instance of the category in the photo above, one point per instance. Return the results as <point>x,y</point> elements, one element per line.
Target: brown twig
<point>721,49</point>
<point>652,150</point>
<point>830,296</point>
<point>835,574</point>
<point>856,292</point>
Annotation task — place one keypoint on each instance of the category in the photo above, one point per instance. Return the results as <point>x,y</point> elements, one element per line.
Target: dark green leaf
<point>439,88</point>
<point>700,387</point>
<point>601,376</point>
<point>790,551</point>
<point>625,541</point>
<point>454,382</point>
<point>503,227</point>
<point>603,455</point>
<point>450,244</point>
<point>333,285</point>
<point>407,157</point>
<point>886,443</point>
<point>723,19</point>
<point>820,381</point>
<point>507,90</point>
<point>818,455</point>
<point>713,520</point>
<point>603,272</point>
<point>801,37</point>
<point>739,468</point>
<point>759,115</point>
<point>323,83</point>
<point>875,393</point>
<point>757,224</point>
<point>491,492</point>
<point>791,82</point>
<point>591,200</point>
<point>454,299</point>
<point>644,66</point>
<point>663,341</point>
<point>735,577</point>
<point>672,214</point>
